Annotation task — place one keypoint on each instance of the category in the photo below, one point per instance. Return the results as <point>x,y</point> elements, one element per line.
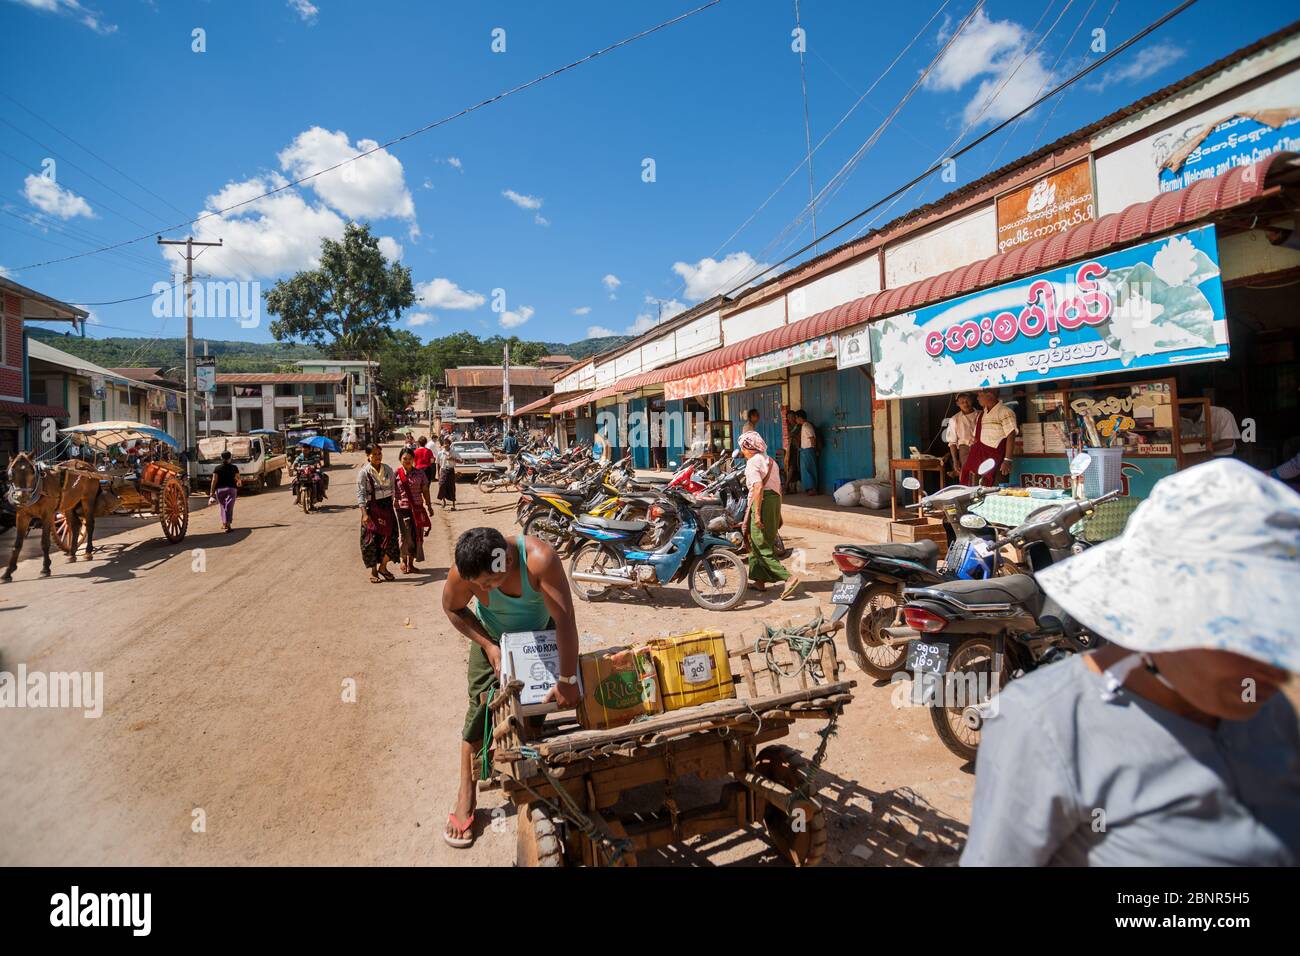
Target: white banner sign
<point>854,348</point>
<point>810,351</point>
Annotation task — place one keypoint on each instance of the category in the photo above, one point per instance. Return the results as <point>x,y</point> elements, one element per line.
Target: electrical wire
<point>394,141</point>
<point>1066,84</point>
<point>807,130</point>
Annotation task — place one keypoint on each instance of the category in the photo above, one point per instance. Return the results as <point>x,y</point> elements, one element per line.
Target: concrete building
<point>359,386</point>
<point>245,401</point>
<point>21,414</point>
<point>476,390</point>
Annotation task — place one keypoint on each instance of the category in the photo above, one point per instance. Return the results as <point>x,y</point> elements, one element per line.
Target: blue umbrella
<point>320,441</point>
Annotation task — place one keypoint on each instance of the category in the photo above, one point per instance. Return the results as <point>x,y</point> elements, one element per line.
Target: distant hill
<point>119,352</point>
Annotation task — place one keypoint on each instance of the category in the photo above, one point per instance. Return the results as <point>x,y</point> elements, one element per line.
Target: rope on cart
<point>484,764</point>
<point>615,847</point>
<point>804,640</point>
<point>806,789</point>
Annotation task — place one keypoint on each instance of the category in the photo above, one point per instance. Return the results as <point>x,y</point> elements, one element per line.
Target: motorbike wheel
<point>304,499</point>
<point>544,525</point>
<point>483,482</point>
<point>594,558</point>
<point>868,617</point>
<point>970,659</point>
<point>717,580</point>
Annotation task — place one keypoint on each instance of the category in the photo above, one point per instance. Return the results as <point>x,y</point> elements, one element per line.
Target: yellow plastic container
<point>693,669</point>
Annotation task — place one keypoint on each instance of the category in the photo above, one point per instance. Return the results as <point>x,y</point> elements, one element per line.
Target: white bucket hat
<point>1210,560</point>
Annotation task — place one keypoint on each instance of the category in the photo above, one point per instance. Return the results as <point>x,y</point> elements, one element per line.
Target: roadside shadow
<point>120,562</point>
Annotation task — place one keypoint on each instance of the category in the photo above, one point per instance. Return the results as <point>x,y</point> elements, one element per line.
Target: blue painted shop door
<point>638,430</point>
<point>768,402</point>
<point>674,434</point>
<point>839,406</point>
<point>586,430</point>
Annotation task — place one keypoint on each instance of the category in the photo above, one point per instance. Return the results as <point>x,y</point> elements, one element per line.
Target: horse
<point>40,492</point>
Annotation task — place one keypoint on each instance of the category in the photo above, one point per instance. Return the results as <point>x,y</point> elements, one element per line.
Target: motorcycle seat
<point>925,553</point>
<point>1019,589</point>
<point>612,524</point>
<point>651,480</point>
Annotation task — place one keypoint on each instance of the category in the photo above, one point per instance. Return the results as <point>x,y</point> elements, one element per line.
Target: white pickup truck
<point>261,459</point>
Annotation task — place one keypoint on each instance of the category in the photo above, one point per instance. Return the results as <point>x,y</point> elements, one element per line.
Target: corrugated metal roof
<point>1139,221</point>
<point>278,378</point>
<point>33,411</point>
<point>488,376</point>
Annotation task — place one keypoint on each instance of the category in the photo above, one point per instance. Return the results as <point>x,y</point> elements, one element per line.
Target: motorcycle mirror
<point>986,466</point>
<point>973,522</point>
<point>1080,463</point>
<point>911,484</point>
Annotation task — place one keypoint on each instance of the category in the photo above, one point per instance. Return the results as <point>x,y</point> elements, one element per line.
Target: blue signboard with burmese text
<point>1155,305</point>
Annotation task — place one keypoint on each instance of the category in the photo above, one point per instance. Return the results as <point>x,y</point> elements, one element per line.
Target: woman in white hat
<point>1170,745</point>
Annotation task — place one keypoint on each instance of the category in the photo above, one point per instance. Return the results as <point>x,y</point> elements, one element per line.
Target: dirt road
<point>229,734</point>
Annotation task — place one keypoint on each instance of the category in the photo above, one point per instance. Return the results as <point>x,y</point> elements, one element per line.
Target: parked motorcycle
<point>869,593</point>
<point>612,558</point>
<point>968,638</point>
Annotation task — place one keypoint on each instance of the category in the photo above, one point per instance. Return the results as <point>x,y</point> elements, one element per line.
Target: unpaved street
<point>226,737</point>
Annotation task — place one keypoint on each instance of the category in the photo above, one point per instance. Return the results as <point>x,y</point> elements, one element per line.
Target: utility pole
<point>207,403</point>
<point>189,242</point>
<point>505,388</point>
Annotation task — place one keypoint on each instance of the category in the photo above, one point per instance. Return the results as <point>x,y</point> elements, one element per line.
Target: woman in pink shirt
<point>763,478</point>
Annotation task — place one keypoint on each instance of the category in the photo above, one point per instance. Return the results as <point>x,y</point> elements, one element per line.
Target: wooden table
<point>918,465</point>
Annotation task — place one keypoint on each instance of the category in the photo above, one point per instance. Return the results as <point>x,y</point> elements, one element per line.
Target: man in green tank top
<point>498,587</point>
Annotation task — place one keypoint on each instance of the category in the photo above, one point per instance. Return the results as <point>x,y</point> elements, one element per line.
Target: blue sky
<point>541,195</point>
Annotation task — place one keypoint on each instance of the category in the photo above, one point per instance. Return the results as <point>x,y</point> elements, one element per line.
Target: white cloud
<point>612,282</point>
<point>511,320</point>
<point>4,273</point>
<point>1148,62</point>
<point>541,220</point>
<point>709,276</point>
<point>522,201</point>
<point>666,307</point>
<point>413,233</point>
<point>999,52</point>
<point>599,332</point>
<point>305,9</point>
<point>455,161</point>
<point>391,248</point>
<point>445,294</point>
<point>416,319</point>
<point>88,17</point>
<point>373,187</point>
<point>582,310</point>
<point>51,198</point>
<point>428,184</point>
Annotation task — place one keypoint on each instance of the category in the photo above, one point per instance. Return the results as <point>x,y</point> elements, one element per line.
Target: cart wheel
<point>538,840</point>
<point>801,836</point>
<point>62,533</point>
<point>174,510</point>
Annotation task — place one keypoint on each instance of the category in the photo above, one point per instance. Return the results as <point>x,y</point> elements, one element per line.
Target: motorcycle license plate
<point>927,657</point>
<point>846,590</point>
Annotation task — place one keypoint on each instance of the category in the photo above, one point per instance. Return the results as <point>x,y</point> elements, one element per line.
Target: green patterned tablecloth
<point>1011,510</point>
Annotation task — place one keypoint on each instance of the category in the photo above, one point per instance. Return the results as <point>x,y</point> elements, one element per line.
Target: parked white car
<point>468,455</point>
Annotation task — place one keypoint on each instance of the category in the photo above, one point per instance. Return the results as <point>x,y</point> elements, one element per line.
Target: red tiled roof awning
<point>573,403</point>
<point>1140,221</point>
<point>537,407</point>
<point>32,411</point>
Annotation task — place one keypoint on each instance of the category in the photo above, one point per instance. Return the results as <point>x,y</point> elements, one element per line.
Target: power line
<point>1140,35</point>
<point>807,131</point>
<point>399,139</point>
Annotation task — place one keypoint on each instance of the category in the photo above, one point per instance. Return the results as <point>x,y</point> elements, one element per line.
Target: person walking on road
<point>446,476</point>
<point>424,459</point>
<point>225,489</point>
<point>411,501</point>
<point>764,481</point>
<point>807,454</point>
<point>379,534</point>
<point>497,587</point>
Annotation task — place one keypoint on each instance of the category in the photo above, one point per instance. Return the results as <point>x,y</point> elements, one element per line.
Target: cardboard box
<point>693,668</point>
<point>534,658</point>
<point>620,684</point>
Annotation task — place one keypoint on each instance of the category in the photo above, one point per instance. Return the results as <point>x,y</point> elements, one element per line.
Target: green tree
<point>346,306</point>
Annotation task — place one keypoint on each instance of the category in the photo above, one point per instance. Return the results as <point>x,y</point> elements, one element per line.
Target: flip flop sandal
<point>460,842</point>
<point>790,587</point>
<point>387,575</point>
<point>376,579</point>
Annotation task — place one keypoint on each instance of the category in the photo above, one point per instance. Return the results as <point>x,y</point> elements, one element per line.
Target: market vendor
<point>960,434</point>
<point>497,587</point>
<point>995,429</point>
<point>1224,432</point>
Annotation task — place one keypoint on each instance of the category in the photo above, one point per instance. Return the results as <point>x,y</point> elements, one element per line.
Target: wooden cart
<point>567,783</point>
<point>160,490</point>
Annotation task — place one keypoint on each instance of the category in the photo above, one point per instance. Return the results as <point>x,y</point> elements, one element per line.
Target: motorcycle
<point>611,558</point>
<point>967,639</point>
<point>548,512</point>
<point>306,488</point>
<point>869,594</point>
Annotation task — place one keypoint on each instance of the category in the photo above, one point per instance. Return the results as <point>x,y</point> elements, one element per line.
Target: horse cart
<point>157,487</point>
<point>597,797</point>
